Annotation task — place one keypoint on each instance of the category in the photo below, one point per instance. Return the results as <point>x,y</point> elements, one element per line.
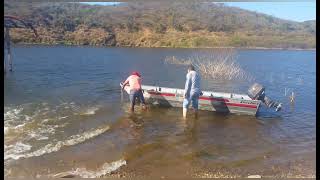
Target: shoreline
<point>220,47</point>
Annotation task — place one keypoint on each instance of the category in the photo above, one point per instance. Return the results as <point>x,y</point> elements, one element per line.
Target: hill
<point>158,24</point>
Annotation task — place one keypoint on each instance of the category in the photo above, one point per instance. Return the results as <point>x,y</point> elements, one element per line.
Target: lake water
<point>62,113</point>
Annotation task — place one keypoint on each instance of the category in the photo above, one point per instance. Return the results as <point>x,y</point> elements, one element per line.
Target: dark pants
<point>136,94</point>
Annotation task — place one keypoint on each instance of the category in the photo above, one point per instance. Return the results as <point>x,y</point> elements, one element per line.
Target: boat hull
<point>209,101</point>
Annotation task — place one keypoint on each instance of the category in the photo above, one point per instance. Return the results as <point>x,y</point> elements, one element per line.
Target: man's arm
<point>125,83</point>
<point>187,85</point>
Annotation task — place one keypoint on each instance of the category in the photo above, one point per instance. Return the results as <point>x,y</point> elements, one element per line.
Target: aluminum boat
<point>209,100</point>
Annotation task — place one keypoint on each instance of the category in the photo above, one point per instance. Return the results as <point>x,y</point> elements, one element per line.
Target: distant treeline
<point>158,24</point>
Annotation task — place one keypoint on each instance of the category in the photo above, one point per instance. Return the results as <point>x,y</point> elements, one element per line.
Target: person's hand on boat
<point>123,85</point>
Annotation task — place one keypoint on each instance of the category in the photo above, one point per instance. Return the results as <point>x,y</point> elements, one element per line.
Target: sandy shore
<point>286,170</point>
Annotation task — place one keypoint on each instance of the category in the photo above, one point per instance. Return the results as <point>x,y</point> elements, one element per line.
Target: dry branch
<point>218,64</point>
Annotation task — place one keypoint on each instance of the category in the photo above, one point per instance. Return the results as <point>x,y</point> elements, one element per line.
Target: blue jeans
<point>136,94</point>
<point>193,98</point>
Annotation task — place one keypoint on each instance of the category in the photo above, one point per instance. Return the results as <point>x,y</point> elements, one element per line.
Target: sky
<point>295,10</point>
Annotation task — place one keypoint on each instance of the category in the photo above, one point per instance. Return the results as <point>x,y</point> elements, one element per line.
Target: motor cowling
<point>257,92</point>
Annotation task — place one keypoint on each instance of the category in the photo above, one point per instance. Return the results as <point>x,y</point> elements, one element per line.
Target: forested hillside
<point>158,24</point>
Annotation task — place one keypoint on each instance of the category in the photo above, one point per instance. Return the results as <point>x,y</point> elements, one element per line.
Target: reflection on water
<point>64,116</point>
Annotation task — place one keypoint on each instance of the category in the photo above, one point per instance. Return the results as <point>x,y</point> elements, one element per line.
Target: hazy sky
<point>296,11</point>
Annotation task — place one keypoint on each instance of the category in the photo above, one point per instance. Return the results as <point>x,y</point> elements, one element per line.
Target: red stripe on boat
<point>210,99</point>
<point>234,104</point>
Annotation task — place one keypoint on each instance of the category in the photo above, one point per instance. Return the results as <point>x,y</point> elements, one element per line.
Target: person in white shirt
<point>192,91</point>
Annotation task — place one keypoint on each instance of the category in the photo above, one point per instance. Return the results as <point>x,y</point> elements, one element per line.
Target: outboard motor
<point>256,92</point>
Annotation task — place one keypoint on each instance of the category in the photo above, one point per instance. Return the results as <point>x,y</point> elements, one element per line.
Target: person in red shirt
<point>134,91</point>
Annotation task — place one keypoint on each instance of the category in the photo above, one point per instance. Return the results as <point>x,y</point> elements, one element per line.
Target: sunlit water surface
<point>62,113</point>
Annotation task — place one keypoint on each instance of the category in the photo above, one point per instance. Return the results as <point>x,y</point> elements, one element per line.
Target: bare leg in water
<point>132,100</point>
<point>185,110</point>
<point>195,113</point>
<point>184,113</point>
<point>142,100</point>
<point>131,108</point>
